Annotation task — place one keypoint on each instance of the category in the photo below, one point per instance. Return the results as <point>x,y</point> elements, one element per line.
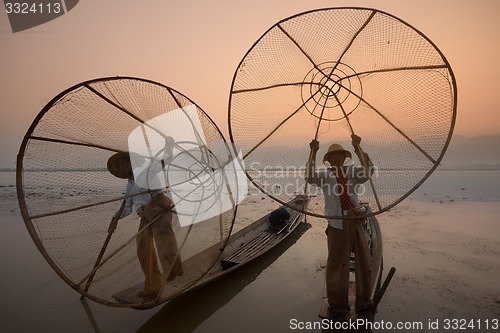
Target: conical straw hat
<point>114,165</point>
<point>335,148</point>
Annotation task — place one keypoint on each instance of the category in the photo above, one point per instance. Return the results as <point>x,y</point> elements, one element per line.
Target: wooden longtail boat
<point>243,246</point>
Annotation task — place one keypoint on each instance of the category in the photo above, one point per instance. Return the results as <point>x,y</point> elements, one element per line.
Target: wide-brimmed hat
<point>114,165</point>
<point>336,148</point>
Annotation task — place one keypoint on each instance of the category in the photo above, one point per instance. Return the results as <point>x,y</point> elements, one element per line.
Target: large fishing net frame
<point>329,73</point>
<point>68,196</point>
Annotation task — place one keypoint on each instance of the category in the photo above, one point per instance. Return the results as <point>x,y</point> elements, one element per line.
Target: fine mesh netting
<point>330,73</point>
<point>69,196</point>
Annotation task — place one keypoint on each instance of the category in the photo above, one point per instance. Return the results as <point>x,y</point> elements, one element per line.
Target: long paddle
<point>111,230</point>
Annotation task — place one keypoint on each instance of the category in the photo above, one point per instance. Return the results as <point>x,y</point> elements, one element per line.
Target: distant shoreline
<point>55,170</point>
<point>448,168</point>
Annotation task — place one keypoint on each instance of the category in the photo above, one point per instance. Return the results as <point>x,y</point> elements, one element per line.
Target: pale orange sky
<point>195,47</point>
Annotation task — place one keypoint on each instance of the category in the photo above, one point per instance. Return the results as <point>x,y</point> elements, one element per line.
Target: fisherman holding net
<point>157,240</point>
<point>338,183</point>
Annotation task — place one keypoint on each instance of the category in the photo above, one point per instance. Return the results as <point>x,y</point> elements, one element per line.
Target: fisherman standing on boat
<point>344,236</point>
<point>155,211</point>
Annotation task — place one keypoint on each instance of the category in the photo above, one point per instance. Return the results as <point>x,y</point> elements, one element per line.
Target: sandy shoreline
<point>447,255</point>
<point>445,246</point>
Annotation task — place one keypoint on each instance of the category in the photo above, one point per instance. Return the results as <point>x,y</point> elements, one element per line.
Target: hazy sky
<point>195,47</point>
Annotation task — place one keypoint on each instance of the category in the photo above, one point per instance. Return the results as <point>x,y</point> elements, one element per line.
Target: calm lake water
<point>261,297</point>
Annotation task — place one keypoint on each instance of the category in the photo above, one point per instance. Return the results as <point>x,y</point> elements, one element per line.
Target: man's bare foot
<point>148,296</point>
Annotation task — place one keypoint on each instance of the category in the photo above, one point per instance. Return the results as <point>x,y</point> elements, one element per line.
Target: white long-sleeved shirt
<point>134,202</point>
<point>148,178</point>
<point>327,181</point>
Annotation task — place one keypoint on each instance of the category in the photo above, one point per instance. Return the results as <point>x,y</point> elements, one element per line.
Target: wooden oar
<point>378,296</point>
<point>111,230</point>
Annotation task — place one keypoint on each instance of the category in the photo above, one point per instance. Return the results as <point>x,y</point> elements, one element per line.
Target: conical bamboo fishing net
<point>68,197</point>
<point>330,73</point>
